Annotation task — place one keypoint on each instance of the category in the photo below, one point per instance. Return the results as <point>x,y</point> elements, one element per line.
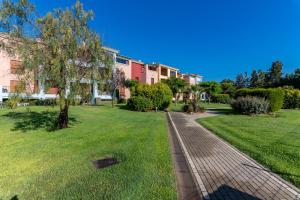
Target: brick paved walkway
<point>222,172</point>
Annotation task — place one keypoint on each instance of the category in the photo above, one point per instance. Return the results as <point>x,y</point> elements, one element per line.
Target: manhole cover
<point>105,162</point>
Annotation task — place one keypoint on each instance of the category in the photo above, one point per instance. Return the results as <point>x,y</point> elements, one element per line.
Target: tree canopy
<point>59,47</point>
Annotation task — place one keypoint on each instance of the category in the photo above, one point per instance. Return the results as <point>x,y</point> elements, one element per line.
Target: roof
<point>110,49</point>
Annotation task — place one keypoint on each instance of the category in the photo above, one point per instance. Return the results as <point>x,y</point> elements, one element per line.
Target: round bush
<point>139,103</point>
<point>275,96</point>
<point>161,96</point>
<point>250,105</point>
<point>220,98</point>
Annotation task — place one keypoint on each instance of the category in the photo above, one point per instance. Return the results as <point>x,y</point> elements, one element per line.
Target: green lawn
<point>38,163</point>
<point>274,141</point>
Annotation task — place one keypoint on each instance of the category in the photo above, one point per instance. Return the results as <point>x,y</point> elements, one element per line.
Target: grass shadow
<point>223,111</point>
<point>28,121</point>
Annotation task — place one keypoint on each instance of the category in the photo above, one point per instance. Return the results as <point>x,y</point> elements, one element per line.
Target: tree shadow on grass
<point>223,111</point>
<point>28,121</point>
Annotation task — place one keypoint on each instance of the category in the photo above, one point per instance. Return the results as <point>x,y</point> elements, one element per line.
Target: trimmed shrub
<point>159,94</point>
<point>139,103</point>
<point>220,98</point>
<point>250,105</point>
<point>275,96</point>
<point>291,99</point>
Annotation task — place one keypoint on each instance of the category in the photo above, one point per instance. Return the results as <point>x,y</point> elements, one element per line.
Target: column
<point>95,92</point>
<point>41,94</point>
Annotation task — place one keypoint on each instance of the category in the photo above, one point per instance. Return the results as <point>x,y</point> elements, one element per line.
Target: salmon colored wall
<point>6,77</point>
<point>127,70</point>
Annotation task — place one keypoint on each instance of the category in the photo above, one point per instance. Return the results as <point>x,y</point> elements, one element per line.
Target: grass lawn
<point>37,163</point>
<point>179,106</point>
<point>273,141</point>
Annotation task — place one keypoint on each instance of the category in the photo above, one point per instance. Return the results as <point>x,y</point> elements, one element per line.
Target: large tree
<point>210,88</point>
<point>242,81</point>
<point>177,86</point>
<point>274,74</point>
<point>59,48</point>
<point>228,87</point>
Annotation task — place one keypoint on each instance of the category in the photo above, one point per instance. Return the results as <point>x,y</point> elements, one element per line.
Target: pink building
<point>133,69</point>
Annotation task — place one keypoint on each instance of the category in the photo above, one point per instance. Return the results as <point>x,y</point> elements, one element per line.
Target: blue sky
<point>215,38</point>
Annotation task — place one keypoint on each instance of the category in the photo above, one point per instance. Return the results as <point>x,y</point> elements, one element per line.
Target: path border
<point>199,183</point>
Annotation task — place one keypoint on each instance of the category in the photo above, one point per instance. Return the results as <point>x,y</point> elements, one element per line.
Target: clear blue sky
<point>215,38</point>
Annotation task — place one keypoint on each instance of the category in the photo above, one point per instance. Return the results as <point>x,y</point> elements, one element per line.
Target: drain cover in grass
<point>105,162</point>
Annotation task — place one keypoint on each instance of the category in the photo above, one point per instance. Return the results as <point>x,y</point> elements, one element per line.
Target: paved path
<point>222,172</point>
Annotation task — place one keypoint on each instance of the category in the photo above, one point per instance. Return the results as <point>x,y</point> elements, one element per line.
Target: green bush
<point>46,102</point>
<point>159,94</point>
<point>139,103</point>
<point>13,101</point>
<point>275,96</point>
<point>220,98</point>
<point>250,105</point>
<point>193,107</point>
<point>291,99</point>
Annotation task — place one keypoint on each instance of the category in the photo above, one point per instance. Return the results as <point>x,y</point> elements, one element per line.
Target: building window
<point>152,68</point>
<point>164,72</point>
<point>122,61</point>
<point>15,66</point>
<point>173,73</point>
<point>16,86</point>
<point>152,81</point>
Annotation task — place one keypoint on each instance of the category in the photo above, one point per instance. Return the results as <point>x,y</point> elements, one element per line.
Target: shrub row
<point>291,99</point>
<point>250,105</point>
<point>275,96</point>
<point>149,97</point>
<point>220,98</point>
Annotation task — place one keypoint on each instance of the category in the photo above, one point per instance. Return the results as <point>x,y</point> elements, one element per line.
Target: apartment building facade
<point>133,69</point>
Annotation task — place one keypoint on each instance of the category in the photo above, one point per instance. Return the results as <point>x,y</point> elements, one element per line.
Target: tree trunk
<point>112,99</point>
<point>63,118</point>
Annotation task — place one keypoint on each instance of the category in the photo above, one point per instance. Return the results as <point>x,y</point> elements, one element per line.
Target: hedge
<point>139,103</point>
<point>291,99</point>
<point>275,96</point>
<point>220,98</point>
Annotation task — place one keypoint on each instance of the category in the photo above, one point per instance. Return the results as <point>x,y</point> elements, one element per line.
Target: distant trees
<point>274,74</point>
<point>210,88</point>
<point>258,79</point>
<point>228,87</point>
<point>242,81</point>
<point>292,79</point>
